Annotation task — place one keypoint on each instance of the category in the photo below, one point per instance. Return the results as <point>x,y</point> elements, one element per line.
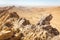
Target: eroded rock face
<point>16,28</point>
<point>51,30</point>
<point>45,19</point>
<point>45,23</point>
<point>14,15</point>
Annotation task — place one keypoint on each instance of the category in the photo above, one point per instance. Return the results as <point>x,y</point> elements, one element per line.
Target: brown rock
<point>45,19</point>
<point>14,15</point>
<point>24,22</point>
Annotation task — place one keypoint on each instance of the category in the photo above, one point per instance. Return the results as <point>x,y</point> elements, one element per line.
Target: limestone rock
<point>16,28</point>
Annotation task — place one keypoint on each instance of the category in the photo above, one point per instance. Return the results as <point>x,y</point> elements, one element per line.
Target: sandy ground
<point>34,14</point>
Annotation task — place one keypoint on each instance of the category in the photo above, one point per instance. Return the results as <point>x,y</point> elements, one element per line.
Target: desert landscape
<point>29,23</point>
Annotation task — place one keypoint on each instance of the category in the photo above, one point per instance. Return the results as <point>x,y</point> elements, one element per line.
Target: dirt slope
<point>34,14</point>
<point>20,23</point>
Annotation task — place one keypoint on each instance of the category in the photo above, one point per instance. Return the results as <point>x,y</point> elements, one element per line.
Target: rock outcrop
<point>16,28</point>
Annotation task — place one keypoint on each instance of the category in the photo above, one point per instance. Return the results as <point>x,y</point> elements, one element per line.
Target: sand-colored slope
<point>34,14</point>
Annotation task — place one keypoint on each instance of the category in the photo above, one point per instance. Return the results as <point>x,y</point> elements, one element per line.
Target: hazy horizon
<point>30,2</point>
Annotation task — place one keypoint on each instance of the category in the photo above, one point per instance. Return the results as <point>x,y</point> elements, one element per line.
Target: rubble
<point>5,34</point>
<point>16,28</point>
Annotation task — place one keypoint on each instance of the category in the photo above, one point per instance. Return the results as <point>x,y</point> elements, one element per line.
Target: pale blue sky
<point>30,2</point>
